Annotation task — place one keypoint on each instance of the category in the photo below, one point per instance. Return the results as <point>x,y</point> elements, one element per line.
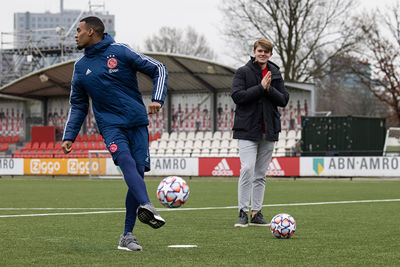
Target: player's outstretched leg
<point>148,214</point>
<point>134,179</point>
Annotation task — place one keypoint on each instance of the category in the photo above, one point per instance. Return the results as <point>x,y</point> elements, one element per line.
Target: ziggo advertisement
<point>71,166</point>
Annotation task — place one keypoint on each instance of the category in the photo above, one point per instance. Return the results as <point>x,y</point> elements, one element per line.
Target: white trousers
<point>255,157</point>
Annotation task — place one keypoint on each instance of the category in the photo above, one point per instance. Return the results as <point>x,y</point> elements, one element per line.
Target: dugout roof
<point>185,74</point>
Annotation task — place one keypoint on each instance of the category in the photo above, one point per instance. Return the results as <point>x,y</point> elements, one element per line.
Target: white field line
<point>120,210</point>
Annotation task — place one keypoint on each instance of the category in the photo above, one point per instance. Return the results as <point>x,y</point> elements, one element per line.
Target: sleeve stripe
<point>69,113</point>
<point>66,123</point>
<point>161,71</point>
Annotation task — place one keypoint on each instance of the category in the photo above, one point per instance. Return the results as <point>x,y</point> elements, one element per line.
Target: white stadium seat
<point>298,135</point>
<point>225,143</point>
<point>164,136</point>
<point>282,135</point>
<point>162,144</point>
<point>199,135</point>
<point>154,144</point>
<point>180,144</point>
<point>280,143</point>
<point>206,144</point>
<point>227,135</point>
<point>159,152</point>
<point>290,143</point>
<point>198,144</point>
<point>234,143</point>
<point>208,135</point>
<point>196,152</point>
<point>217,135</point>
<point>178,152</point>
<point>181,136</point>
<point>224,152</point>
<point>169,152</point>
<point>187,152</point>
<point>173,136</point>
<point>291,134</point>
<point>190,136</point>
<point>171,144</point>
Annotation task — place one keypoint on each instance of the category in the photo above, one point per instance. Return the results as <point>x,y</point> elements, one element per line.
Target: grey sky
<point>136,20</point>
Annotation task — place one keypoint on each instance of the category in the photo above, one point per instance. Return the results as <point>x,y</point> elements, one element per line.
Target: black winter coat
<point>254,103</point>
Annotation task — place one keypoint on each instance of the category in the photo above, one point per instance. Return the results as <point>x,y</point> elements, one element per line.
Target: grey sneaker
<point>258,220</point>
<point>243,220</point>
<point>129,243</point>
<point>148,214</point>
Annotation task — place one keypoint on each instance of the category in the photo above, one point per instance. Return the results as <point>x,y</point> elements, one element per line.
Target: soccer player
<point>107,74</point>
<point>257,90</point>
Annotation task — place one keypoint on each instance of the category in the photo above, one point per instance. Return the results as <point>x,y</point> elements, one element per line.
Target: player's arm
<point>157,72</point>
<point>278,93</point>
<point>242,95</point>
<point>79,102</point>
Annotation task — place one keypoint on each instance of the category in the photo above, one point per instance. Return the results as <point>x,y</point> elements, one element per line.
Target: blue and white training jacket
<point>107,73</point>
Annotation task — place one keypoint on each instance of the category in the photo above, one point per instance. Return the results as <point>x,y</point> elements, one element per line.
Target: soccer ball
<point>283,226</point>
<point>173,192</point>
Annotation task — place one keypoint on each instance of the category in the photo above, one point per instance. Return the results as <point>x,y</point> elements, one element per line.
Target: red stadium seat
<point>58,153</point>
<point>77,145</point>
<point>15,139</point>
<point>17,154</point>
<point>40,154</point>
<point>28,145</point>
<point>100,146</point>
<point>2,139</point>
<point>57,146</point>
<point>35,146</point>
<point>99,137</point>
<point>50,145</point>
<point>92,137</point>
<point>8,139</point>
<point>78,138</point>
<point>3,146</point>
<point>84,138</point>
<point>43,146</point>
<point>156,136</point>
<point>31,154</point>
<point>47,153</point>
<point>85,146</point>
<point>90,146</point>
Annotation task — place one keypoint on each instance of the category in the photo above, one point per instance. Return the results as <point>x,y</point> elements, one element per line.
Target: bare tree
<point>382,49</point>
<point>178,41</point>
<point>306,33</point>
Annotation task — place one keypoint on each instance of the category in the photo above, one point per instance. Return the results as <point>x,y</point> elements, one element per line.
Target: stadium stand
<point>217,144</point>
<point>54,150</point>
<point>174,144</point>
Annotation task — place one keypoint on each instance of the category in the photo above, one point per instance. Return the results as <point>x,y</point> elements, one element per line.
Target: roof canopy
<point>185,74</point>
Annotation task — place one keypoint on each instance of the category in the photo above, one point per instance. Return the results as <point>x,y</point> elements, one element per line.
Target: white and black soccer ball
<point>173,192</point>
<point>283,226</point>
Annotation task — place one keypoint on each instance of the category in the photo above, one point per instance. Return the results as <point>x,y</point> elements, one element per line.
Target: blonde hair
<point>264,43</point>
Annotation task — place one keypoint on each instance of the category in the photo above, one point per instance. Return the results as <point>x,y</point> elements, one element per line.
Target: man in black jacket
<point>257,90</point>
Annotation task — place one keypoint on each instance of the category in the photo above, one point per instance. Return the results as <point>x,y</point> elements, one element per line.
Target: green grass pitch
<point>341,234</point>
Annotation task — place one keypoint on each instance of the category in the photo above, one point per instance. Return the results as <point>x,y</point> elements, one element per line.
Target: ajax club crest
<point>112,63</point>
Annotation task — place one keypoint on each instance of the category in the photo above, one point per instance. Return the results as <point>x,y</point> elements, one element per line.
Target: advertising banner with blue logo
<point>350,166</point>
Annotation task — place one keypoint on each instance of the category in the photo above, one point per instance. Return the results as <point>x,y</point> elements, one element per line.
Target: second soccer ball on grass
<point>283,226</point>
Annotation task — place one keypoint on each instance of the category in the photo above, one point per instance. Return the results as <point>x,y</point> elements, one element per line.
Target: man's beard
<point>79,47</point>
